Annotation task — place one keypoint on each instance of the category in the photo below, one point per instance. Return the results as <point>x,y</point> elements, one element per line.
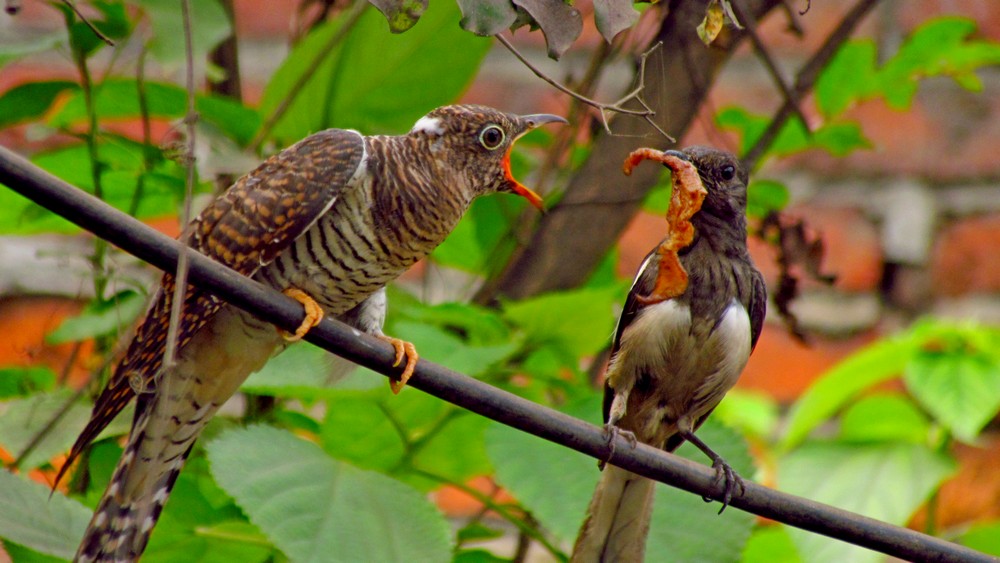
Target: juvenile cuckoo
<point>329,221</point>
<point>673,360</point>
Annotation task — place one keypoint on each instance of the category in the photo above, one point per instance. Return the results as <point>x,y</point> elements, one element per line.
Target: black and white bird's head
<point>724,177</point>
<point>476,141</point>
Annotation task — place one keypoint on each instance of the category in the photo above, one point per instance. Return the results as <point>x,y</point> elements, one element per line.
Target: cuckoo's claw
<point>314,314</point>
<point>403,348</point>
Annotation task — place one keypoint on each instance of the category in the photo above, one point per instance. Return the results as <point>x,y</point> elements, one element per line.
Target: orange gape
<point>685,200</point>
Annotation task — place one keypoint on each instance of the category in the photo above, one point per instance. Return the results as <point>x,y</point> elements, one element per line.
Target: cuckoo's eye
<point>728,172</point>
<point>491,137</point>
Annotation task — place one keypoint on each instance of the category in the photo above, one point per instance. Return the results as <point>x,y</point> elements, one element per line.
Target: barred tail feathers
<point>142,481</point>
<point>617,520</point>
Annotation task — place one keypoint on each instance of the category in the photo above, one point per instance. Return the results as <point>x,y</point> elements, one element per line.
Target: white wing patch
<point>428,125</point>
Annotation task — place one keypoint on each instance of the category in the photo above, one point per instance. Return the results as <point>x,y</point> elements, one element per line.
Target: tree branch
<point>807,77</point>
<point>147,244</point>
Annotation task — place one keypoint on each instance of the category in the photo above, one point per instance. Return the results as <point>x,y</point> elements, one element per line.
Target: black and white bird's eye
<point>728,172</point>
<point>491,137</point>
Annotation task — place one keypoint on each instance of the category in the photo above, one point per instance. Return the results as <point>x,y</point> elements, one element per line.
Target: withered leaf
<point>614,16</point>
<point>560,22</point>
<point>401,14</point>
<point>710,27</point>
<point>486,17</point>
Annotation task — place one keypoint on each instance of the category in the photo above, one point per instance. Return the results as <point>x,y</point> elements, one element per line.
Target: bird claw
<point>732,480</point>
<point>613,432</point>
<point>403,349</point>
<point>314,314</point>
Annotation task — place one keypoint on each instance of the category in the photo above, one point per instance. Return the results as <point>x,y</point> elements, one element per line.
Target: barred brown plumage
<point>329,220</point>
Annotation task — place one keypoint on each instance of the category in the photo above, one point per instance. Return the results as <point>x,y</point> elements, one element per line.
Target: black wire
<point>161,251</point>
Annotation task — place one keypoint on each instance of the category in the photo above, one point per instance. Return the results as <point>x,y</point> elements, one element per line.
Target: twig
<point>791,97</point>
<point>352,18</point>
<point>72,6</point>
<point>267,304</point>
<point>496,507</point>
<point>51,424</point>
<point>646,112</point>
<point>793,20</point>
<point>807,78</point>
<point>190,120</point>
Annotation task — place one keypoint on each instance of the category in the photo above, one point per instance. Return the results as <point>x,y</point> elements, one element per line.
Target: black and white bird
<point>673,361</point>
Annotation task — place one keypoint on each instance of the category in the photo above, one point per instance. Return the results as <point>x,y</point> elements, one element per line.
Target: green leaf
<point>849,78</point>
<point>30,101</point>
<point>358,84</point>
<point>478,556</point>
<point>477,325</point>
<point>554,483</point>
<point>983,536</point>
<point>840,139</point>
<point>897,479</point>
<point>580,321</point>
<point>18,381</point>
<point>210,26</point>
<point>299,371</point>
<point>939,46</point>
<point>315,508</point>
<point>689,529</point>
<point>445,348</point>
<point>884,418</point>
<point>956,377</point>
<point>23,420</point>
<point>770,544</point>
<point>357,430</point>
<point>764,196</point>
<point>114,24</point>
<point>30,515</point>
<point>457,451</point>
<point>22,554</point>
<point>98,318</point>
<point>201,523</point>
<point>753,413</point>
<point>872,365</point>
<point>119,99</point>
<point>482,241</point>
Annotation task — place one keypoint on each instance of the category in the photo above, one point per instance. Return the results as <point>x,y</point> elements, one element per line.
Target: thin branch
<point>181,274</point>
<point>489,503</point>
<point>646,112</point>
<point>791,97</point>
<point>807,78</point>
<point>267,304</point>
<point>72,6</point>
<point>272,120</point>
<point>59,414</point>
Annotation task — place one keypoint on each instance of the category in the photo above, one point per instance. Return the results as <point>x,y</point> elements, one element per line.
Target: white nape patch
<point>428,125</point>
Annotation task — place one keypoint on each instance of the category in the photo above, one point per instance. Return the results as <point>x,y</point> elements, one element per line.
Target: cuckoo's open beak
<point>530,122</point>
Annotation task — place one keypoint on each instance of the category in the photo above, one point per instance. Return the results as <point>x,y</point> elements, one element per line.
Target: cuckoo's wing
<point>244,228</point>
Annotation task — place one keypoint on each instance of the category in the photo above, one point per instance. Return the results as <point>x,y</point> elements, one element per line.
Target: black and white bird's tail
<point>617,520</point>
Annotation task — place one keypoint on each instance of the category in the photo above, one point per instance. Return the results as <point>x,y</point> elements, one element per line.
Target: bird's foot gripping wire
<point>723,471</point>
<point>314,314</point>
<point>403,349</point>
<point>613,431</point>
<point>732,479</point>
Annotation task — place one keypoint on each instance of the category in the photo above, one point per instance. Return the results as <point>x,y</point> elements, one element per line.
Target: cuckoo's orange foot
<point>314,314</point>
<point>403,348</point>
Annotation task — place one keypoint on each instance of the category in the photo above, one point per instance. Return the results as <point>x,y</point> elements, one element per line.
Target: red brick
<point>964,259</point>
<point>25,321</point>
<point>974,493</point>
<point>783,367</point>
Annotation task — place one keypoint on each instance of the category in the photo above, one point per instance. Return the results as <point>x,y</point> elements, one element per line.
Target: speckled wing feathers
<point>245,229</point>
